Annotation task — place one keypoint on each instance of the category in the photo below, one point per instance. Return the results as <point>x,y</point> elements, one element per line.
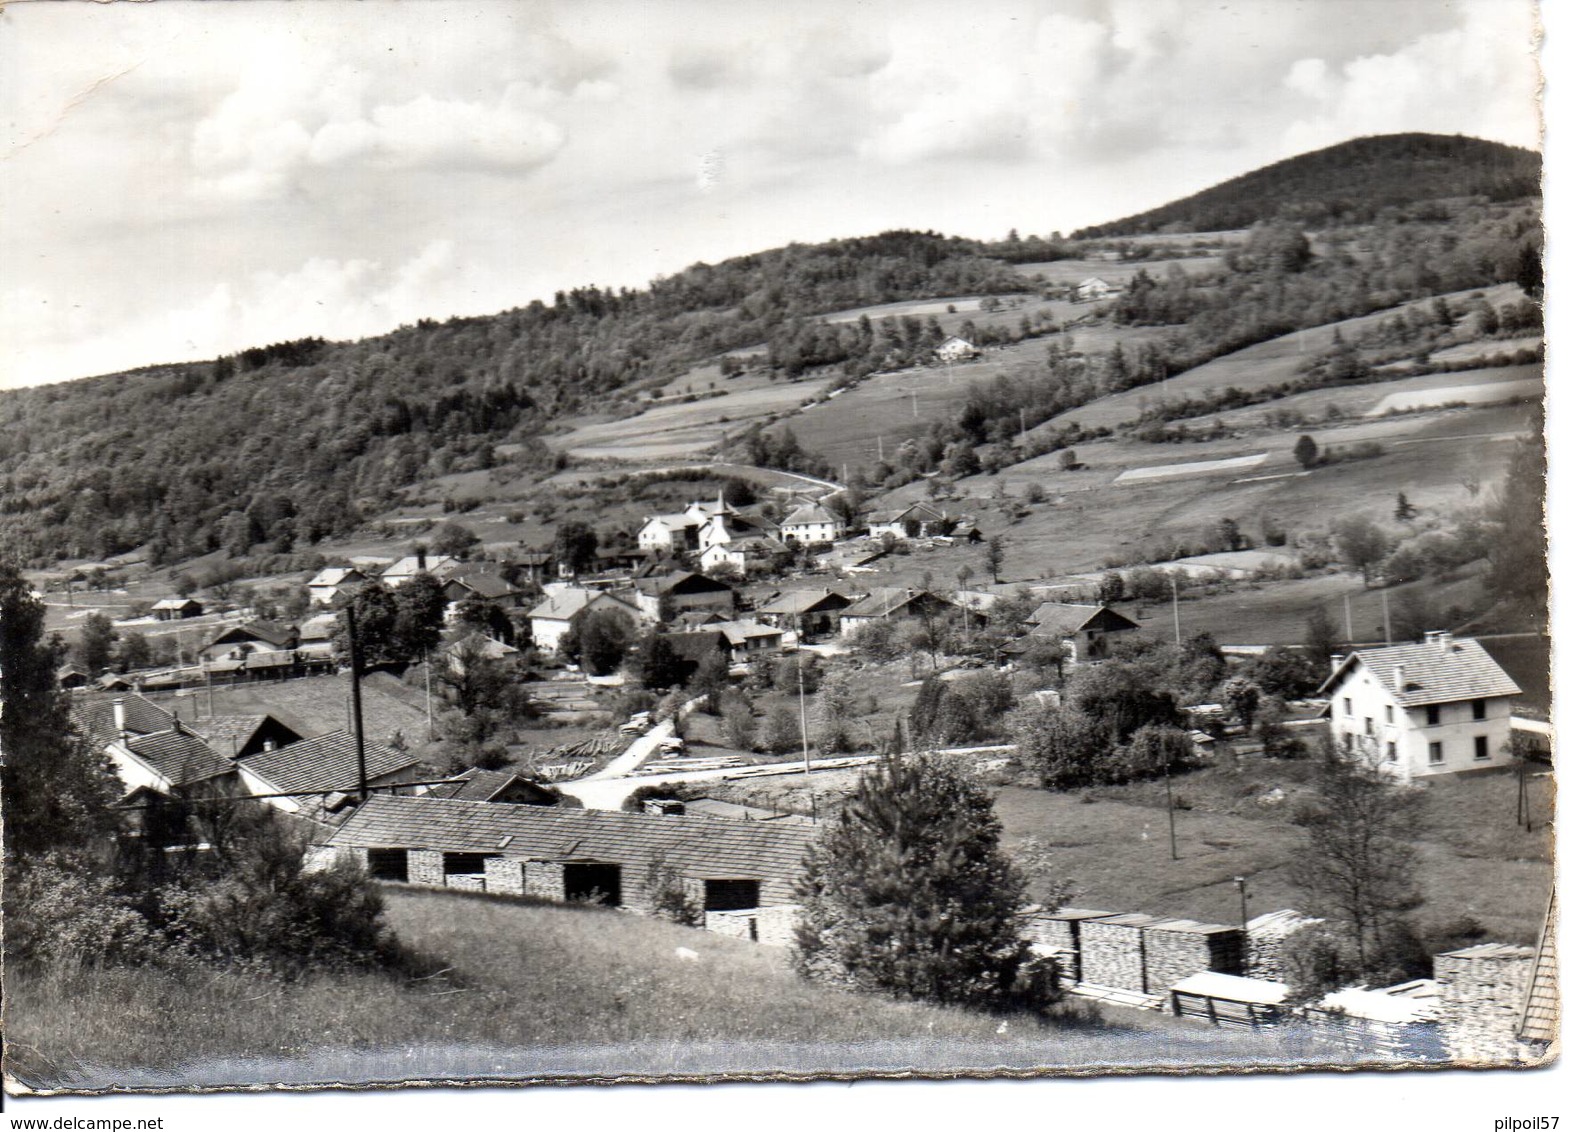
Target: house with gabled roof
<point>812,613</point>
<point>1085,631</point>
<point>176,609</point>
<point>745,556</point>
<point>562,609</point>
<point>918,520</point>
<point>558,853</point>
<point>238,642</point>
<point>166,761</point>
<point>438,566</point>
<point>334,582</point>
<point>235,736</point>
<point>664,596</point>
<point>956,349</point>
<point>475,785</point>
<point>894,604</point>
<point>1094,288</point>
<point>297,777</point>
<point>482,586</point>
<point>1437,707</point>
<point>811,524</point>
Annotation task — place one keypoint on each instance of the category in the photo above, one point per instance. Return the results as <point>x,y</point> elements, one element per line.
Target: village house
<point>72,676</point>
<point>565,607</point>
<point>812,524</point>
<point>316,635</point>
<point>536,565</point>
<point>957,349</point>
<point>744,556</point>
<point>235,736</point>
<point>918,520</point>
<point>564,854</point>
<point>812,613</point>
<point>254,638</point>
<point>1085,631</point>
<point>669,595</point>
<point>1094,288</point>
<point>334,582</point>
<point>746,638</point>
<point>176,609</point>
<point>1438,707</point>
<point>475,785</point>
<point>438,566</point>
<point>671,533</point>
<point>478,586</point>
<point>297,778</point>
<point>171,759</point>
<point>894,605</point>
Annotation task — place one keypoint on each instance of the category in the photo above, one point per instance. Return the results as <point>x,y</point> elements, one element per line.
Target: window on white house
<point>1435,753</point>
<point>1389,714</point>
<point>1478,709</point>
<point>1432,715</point>
<point>1347,704</point>
<point>1367,724</point>
<point>1391,752</point>
<point>1481,747</point>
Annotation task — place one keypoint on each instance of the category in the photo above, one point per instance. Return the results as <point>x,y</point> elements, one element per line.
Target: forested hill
<point>1350,182</point>
<point>280,444</point>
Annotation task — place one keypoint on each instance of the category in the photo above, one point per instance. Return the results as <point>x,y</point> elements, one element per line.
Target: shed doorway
<point>593,883</point>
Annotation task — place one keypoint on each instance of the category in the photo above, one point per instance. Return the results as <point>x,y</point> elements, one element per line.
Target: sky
<point>181,179</point>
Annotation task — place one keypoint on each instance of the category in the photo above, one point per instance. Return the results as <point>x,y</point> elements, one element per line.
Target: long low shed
<point>1229,1000</point>
<point>569,854</point>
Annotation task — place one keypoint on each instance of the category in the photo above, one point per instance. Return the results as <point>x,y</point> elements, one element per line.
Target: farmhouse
<point>439,566</point>
<point>238,642</point>
<point>1085,631</point>
<point>570,854</point>
<point>661,598</point>
<point>556,616</point>
<point>168,760</point>
<point>812,523</point>
<point>1094,288</point>
<point>919,520</point>
<point>1437,707</point>
<point>894,605</point>
<point>72,676</point>
<point>303,773</point>
<point>745,556</point>
<point>475,785</point>
<point>748,638</point>
<point>474,585</point>
<point>670,532</point>
<point>334,582</point>
<point>235,736</point>
<point>176,609</point>
<point>811,612</point>
<point>957,350</point>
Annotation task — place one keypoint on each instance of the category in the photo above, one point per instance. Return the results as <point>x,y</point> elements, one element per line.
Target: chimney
<point>1335,661</point>
<point>420,558</point>
<point>119,718</point>
<point>1400,678</point>
<point>1446,640</point>
<point>1433,636</point>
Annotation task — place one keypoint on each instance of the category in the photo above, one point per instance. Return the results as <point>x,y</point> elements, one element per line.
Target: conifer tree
<point>908,891</point>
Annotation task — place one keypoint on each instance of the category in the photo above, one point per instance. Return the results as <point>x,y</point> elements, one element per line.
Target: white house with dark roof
<point>438,566</point>
<point>956,349</point>
<point>812,523</point>
<point>1437,707</point>
<point>176,609</point>
<point>333,582</point>
<point>1085,631</point>
<point>299,775</point>
<point>554,617</point>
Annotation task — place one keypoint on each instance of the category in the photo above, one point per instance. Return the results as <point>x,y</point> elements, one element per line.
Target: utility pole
<point>1350,636</point>
<point>879,448</point>
<point>800,682</point>
<point>1171,809</point>
<point>354,699</point>
<point>1176,616</point>
<point>915,405</point>
<point>430,716</point>
<point>1384,593</point>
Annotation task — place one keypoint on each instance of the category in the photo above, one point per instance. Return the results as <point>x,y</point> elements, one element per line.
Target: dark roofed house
<point>236,736</point>
<point>810,524</point>
<point>1437,707</point>
<point>72,676</point>
<point>178,756</point>
<point>484,587</point>
<point>475,785</point>
<point>176,609</point>
<point>103,719</point>
<point>668,595</point>
<point>236,642</point>
<point>918,520</point>
<point>814,612</point>
<point>305,771</point>
<point>571,854</point>
<point>1085,631</point>
<point>894,604</point>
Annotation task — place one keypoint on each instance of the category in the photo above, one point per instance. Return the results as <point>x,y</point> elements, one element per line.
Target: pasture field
<point>1266,363</point>
<point>1113,271</point>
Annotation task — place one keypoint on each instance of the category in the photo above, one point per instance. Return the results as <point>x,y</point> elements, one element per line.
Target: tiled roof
<point>228,733</point>
<point>920,512</point>
<point>327,762</point>
<point>694,646</point>
<point>1539,1021</point>
<point>486,585</point>
<point>814,513</point>
<point>176,603</point>
<point>272,632</point>
<point>1437,671</point>
<point>563,605</point>
<point>683,581</point>
<point>477,785</point>
<point>805,601</point>
<point>409,566</point>
<point>179,756</point>
<point>95,718</point>
<point>882,602</point>
<point>696,847</point>
<point>739,632</point>
<point>334,576</point>
<point>1058,618</point>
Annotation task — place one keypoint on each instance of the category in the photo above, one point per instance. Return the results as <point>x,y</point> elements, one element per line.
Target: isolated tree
<point>1356,868</point>
<point>1305,450</point>
<point>1062,747</point>
<point>1404,512</point>
<point>656,664</point>
<point>1242,698</point>
<point>375,625</point>
<point>603,637</point>
<point>133,653</point>
<point>421,609</point>
<point>1361,544</point>
<point>737,721</point>
<point>1319,641</point>
<point>95,643</point>
<point>55,790</point>
<point>908,891</point>
<point>575,545</point>
<point>453,540</point>
<point>995,548</point>
<point>836,712</point>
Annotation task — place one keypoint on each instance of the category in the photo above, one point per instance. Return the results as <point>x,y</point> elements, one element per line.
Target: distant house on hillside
<point>1084,631</point>
<point>562,610</point>
<point>748,638</point>
<point>745,556</point>
<point>566,854</point>
<point>176,609</point>
<point>918,520</point>
<point>334,582</point>
<point>536,565</point>
<point>480,586</point>
<point>663,597</point>
<point>72,676</point>
<point>811,524</point>
<point>957,350</point>
<point>301,774</point>
<point>1438,707</point>
<point>1094,288</point>
<point>498,786</point>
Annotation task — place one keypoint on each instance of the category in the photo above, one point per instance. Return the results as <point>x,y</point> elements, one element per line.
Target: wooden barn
<point>1229,1001</point>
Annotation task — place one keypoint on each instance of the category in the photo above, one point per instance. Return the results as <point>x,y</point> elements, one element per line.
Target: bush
<point>667,894</point>
<point>59,911</point>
